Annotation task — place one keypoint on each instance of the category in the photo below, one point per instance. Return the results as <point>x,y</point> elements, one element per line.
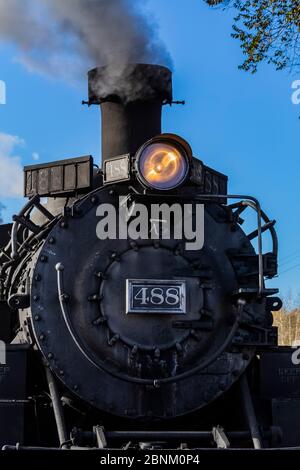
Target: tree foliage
<point>268,30</point>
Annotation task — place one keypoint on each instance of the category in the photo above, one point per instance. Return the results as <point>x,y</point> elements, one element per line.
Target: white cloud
<point>35,156</point>
<point>11,170</point>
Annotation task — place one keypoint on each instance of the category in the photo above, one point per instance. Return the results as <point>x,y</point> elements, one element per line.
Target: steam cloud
<point>63,38</point>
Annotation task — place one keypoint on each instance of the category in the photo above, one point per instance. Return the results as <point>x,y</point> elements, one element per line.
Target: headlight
<point>163,163</point>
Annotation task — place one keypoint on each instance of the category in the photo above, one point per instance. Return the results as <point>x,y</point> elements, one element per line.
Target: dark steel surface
<point>5,322</point>
<point>279,376</point>
<point>59,177</point>
<point>130,348</point>
<point>286,415</point>
<point>13,398</point>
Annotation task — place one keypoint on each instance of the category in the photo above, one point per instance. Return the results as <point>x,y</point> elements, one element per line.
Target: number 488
<point>157,296</point>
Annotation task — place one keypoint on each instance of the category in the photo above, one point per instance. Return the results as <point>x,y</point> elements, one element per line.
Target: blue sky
<point>243,125</point>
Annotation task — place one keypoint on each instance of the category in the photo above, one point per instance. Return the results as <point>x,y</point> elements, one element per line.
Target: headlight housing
<point>163,163</point>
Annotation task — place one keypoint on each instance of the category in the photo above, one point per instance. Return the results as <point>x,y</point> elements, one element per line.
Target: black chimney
<point>131,99</point>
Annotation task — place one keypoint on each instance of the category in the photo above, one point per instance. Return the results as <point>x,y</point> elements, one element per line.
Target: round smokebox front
<point>125,323</point>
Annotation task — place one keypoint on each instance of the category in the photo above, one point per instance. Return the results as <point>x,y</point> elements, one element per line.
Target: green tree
<point>268,30</point>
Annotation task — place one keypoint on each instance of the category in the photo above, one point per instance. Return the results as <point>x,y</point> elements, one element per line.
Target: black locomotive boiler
<point>139,341</point>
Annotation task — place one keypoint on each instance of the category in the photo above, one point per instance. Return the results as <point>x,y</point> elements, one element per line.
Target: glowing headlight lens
<point>162,165</point>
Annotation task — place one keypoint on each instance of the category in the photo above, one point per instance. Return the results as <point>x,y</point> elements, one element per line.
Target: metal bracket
<point>100,437</point>
<point>220,437</point>
<point>19,301</point>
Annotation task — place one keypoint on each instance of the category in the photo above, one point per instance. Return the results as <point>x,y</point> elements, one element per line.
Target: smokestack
<point>131,99</point>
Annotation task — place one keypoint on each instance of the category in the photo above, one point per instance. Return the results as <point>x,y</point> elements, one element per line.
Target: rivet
<point>95,298</point>
<point>99,321</point>
<point>111,192</point>
<point>44,258</point>
<point>157,353</point>
<point>52,241</point>
<point>37,277</point>
<point>64,224</point>
<point>61,372</point>
<point>94,199</point>
<point>113,340</point>
<point>50,355</point>
<point>65,298</point>
<point>37,317</point>
<point>134,246</point>
<point>42,337</point>
<point>115,257</point>
<point>75,387</point>
<point>36,298</point>
<point>156,244</point>
<point>99,274</point>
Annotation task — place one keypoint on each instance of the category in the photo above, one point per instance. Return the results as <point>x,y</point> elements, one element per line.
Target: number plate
<point>117,169</point>
<point>155,296</point>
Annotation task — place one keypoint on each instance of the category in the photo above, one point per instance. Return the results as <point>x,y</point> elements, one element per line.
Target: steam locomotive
<point>141,340</point>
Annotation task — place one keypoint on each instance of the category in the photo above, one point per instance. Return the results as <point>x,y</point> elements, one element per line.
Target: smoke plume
<point>63,38</point>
